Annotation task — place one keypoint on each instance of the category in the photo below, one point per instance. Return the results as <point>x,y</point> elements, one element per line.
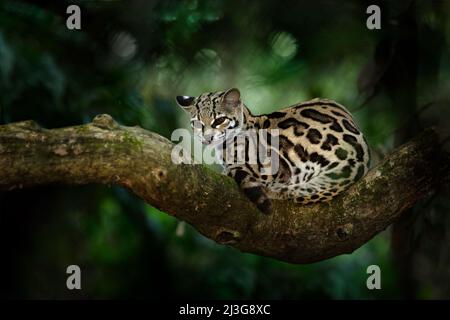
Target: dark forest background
<point>131,58</point>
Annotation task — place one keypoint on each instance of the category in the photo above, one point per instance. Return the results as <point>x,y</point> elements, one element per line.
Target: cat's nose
<point>209,134</point>
<point>208,137</point>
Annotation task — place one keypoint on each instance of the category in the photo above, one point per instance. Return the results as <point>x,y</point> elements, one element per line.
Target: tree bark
<point>106,153</point>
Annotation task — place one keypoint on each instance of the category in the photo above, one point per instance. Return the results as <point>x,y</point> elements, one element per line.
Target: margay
<point>321,150</point>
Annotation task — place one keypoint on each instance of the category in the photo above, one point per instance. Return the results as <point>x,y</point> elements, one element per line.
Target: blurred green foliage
<point>132,58</point>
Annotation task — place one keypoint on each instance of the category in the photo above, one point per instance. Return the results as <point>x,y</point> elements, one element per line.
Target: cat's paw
<point>259,197</point>
<point>265,207</point>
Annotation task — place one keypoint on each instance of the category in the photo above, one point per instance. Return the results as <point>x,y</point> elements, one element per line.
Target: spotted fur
<point>321,149</point>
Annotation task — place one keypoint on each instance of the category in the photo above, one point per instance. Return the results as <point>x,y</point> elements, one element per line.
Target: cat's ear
<point>231,99</point>
<point>185,102</point>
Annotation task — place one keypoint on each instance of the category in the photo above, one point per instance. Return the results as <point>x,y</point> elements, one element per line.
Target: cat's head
<point>215,116</point>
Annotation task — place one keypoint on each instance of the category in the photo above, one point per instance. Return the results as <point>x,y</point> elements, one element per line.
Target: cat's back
<point>321,135</point>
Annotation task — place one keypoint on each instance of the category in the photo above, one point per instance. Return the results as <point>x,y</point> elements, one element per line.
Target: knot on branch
<point>105,121</point>
<point>225,236</point>
<point>344,232</point>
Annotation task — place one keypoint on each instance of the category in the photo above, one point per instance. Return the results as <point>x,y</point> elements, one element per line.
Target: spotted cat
<point>321,150</point>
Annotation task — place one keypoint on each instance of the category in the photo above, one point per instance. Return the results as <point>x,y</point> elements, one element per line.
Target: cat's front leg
<point>253,189</point>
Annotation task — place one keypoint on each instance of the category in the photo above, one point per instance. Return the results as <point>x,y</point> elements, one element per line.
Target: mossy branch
<point>106,153</point>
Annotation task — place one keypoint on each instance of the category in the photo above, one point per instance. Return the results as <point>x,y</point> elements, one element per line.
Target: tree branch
<point>107,153</point>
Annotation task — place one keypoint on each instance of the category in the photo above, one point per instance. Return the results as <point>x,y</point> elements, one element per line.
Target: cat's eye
<point>220,121</point>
